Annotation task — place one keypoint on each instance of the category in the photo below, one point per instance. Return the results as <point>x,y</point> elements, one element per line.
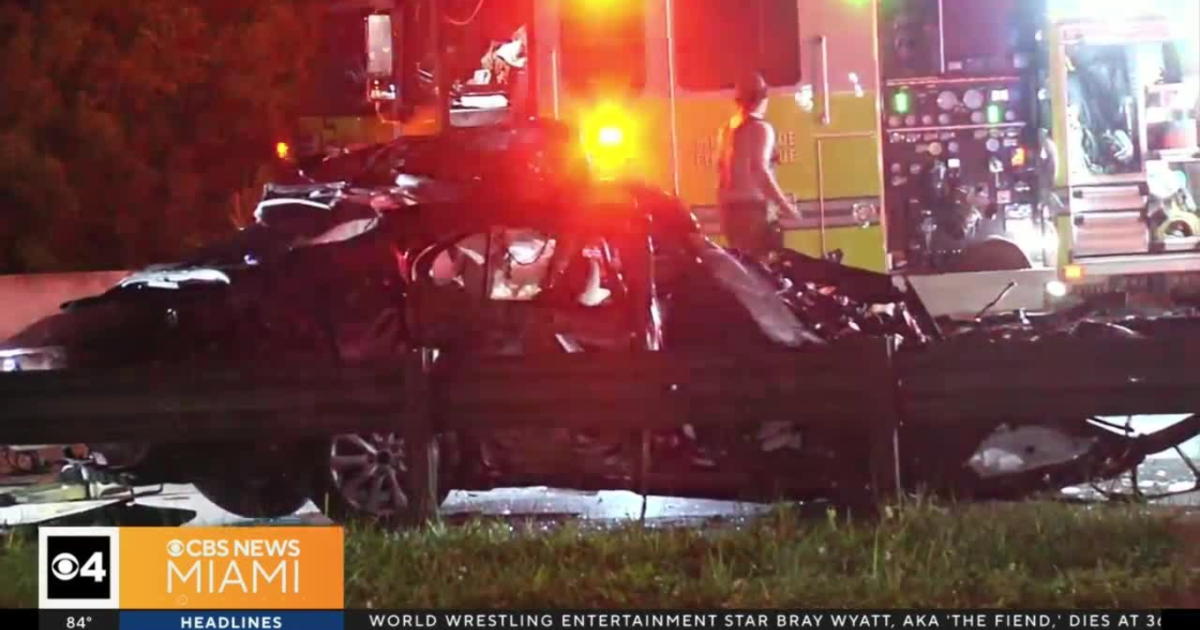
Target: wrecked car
<point>401,247</point>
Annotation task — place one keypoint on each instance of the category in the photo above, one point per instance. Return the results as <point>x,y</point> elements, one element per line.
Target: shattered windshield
<point>285,229</point>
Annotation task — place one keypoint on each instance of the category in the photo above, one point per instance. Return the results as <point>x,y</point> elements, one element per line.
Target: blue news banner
<point>600,619</point>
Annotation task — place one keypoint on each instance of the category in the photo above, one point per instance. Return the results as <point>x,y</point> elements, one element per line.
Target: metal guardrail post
<point>420,439</point>
<point>884,433</point>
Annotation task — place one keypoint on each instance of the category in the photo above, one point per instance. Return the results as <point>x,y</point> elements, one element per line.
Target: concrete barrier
<point>24,299</point>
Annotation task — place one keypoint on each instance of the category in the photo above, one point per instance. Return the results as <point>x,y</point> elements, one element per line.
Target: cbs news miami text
<point>293,578</point>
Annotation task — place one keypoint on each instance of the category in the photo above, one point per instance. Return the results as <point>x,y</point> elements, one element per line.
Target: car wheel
<point>265,482</point>
<point>254,496</point>
<point>366,477</point>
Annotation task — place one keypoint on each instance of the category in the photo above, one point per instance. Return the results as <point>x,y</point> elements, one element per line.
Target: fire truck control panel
<point>959,132</point>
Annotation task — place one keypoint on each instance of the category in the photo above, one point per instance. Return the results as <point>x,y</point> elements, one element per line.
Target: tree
<point>127,128</point>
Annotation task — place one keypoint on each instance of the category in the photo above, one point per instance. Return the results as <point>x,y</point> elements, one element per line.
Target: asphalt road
<point>537,502</point>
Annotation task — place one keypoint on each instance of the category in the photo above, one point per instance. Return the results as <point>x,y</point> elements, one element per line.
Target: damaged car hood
<point>758,297</point>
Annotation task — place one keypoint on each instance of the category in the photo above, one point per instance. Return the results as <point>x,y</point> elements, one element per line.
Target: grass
<point>972,557</point>
<point>1027,555</point>
<point>18,571</point>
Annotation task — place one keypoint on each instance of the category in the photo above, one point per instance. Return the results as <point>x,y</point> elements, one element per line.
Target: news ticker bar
<point>598,619</point>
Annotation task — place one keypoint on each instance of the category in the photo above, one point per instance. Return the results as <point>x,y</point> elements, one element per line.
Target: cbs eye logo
<point>65,567</point>
<point>77,567</point>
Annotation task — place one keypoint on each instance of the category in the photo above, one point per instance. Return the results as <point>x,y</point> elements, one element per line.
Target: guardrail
<point>850,385</point>
<point>1063,378</point>
<point>201,402</point>
<point>862,387</point>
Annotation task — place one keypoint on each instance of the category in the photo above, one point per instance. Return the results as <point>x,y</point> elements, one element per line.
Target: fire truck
<point>1126,94</point>
<point>1004,153</point>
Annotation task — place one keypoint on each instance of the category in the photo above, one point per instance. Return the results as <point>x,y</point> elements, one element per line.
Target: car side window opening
<point>715,40</point>
<point>595,277</point>
<point>461,265</point>
<point>524,263</point>
<point>519,264</point>
<point>450,289</point>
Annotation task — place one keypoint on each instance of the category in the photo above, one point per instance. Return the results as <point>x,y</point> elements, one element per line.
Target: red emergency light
<point>608,138</point>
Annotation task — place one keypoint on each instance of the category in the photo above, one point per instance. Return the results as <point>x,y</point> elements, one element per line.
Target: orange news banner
<point>237,568</point>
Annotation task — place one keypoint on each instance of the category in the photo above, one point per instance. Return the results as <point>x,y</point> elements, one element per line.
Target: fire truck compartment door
<point>1106,233</point>
<point>1107,221</point>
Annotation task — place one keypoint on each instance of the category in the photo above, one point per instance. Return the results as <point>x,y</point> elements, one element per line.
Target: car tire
<point>265,483</point>
<point>363,478</point>
<point>257,497</point>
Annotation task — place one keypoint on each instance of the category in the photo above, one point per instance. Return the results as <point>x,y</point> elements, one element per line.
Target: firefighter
<point>748,188</point>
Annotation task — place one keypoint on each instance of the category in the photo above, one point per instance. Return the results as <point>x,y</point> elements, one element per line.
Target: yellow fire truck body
<point>861,128</point>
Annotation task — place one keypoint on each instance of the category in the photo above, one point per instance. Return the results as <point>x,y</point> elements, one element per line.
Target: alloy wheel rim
<point>368,472</point>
